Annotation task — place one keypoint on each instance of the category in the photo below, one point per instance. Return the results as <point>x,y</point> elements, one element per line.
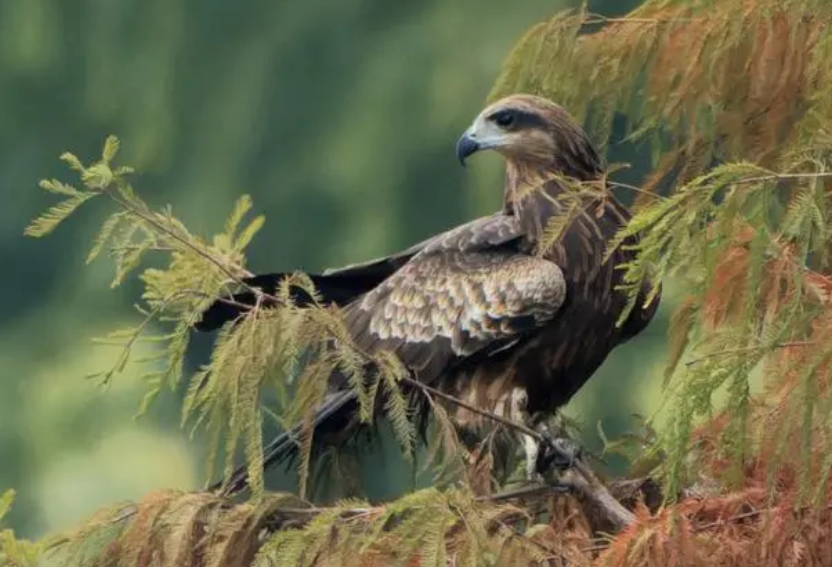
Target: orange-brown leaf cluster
<point>740,530</point>
<point>724,300</point>
<point>729,87</point>
<point>769,47</point>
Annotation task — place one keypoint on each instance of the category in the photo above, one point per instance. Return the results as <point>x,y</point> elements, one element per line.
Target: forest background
<point>339,120</point>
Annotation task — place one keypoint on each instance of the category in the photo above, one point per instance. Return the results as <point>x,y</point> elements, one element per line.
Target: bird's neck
<point>522,178</point>
<point>533,193</point>
<point>525,177</point>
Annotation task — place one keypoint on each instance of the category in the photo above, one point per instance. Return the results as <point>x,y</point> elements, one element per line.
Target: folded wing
<point>343,285</point>
<point>447,305</point>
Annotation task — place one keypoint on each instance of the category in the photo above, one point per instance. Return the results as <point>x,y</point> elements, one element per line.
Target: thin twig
<point>134,337</point>
<point>517,533</point>
<point>731,519</point>
<point>221,299</point>
<point>595,548</point>
<point>149,218</point>
<point>528,491</point>
<point>777,176</point>
<point>315,510</point>
<point>743,350</point>
<point>748,515</point>
<point>601,19</point>
<point>638,190</point>
<point>128,206</point>
<point>484,413</point>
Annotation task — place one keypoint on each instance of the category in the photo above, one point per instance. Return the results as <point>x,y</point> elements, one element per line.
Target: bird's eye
<point>504,118</point>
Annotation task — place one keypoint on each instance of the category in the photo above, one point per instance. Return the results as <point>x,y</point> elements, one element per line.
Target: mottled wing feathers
<point>484,233</point>
<point>342,285</point>
<point>493,230</point>
<point>451,304</point>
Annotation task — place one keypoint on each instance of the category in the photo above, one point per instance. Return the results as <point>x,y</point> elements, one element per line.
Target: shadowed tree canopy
<point>730,98</point>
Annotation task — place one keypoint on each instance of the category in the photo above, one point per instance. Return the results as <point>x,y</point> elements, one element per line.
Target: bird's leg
<point>532,449</point>
<point>539,460</point>
<point>531,446</point>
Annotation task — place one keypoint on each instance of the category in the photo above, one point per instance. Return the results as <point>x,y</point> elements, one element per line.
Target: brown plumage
<point>492,312</point>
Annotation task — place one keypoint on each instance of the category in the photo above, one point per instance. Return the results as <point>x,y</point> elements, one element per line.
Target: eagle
<point>495,312</point>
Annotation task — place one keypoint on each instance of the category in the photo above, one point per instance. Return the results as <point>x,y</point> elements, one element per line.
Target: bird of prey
<point>493,312</point>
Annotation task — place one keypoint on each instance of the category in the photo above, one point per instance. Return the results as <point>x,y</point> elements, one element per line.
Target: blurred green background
<point>339,118</point>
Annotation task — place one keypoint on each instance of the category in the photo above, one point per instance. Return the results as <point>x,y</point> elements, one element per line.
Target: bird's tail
<point>223,310</point>
<point>333,416</point>
<point>333,288</point>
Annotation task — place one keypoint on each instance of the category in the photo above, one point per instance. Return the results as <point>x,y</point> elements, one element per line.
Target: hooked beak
<point>466,146</point>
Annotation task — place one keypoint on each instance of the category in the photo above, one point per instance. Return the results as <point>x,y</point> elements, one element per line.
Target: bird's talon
<point>560,453</point>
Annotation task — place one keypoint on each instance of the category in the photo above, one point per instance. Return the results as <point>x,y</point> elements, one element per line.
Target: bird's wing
<point>342,285</point>
<point>446,305</point>
<point>493,230</point>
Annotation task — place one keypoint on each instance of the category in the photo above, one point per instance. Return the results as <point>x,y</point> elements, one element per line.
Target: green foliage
<point>173,528</point>
<point>696,227</point>
<point>174,296</point>
<point>261,351</point>
<point>728,96</point>
<point>14,552</point>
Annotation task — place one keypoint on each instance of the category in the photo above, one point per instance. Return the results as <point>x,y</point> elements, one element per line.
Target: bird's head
<point>531,129</point>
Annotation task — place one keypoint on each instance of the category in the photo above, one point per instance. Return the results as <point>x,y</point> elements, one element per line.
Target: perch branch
<point>585,479</point>
<point>526,492</point>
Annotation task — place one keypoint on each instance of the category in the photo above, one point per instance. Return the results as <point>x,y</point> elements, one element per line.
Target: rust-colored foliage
<point>766,44</point>
<point>705,82</point>
<point>724,300</point>
<point>745,528</point>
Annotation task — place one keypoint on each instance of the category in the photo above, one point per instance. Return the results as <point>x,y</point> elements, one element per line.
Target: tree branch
<point>585,479</point>
<point>149,218</point>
